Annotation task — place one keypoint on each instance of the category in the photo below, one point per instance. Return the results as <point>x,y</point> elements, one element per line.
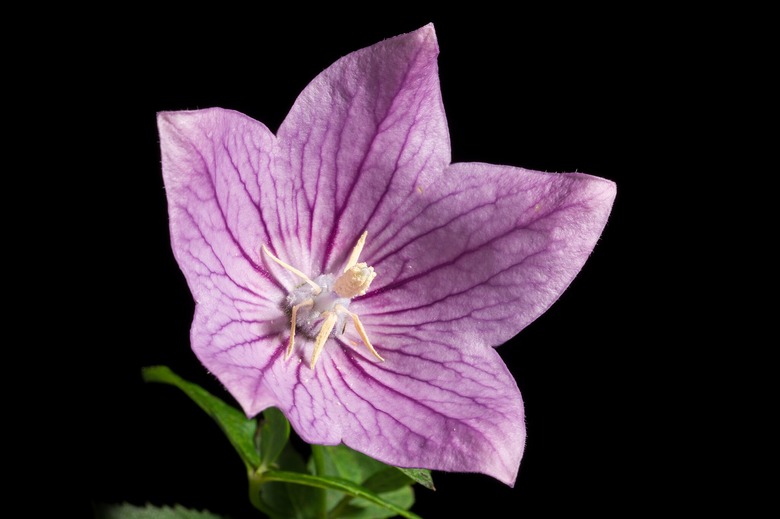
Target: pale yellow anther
<point>294,270</point>
<point>355,281</point>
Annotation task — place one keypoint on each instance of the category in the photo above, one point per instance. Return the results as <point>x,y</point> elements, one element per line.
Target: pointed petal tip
<point>604,190</point>
<point>172,116</point>
<point>426,35</point>
<point>176,117</point>
<point>427,31</point>
<point>422,37</point>
<point>601,191</point>
<point>169,121</point>
<point>164,119</point>
<point>172,127</point>
<point>181,122</point>
<point>509,479</point>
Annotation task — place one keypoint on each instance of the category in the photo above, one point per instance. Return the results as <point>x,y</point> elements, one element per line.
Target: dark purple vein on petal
<point>316,380</point>
<point>343,403</point>
<point>329,244</point>
<point>359,416</point>
<point>389,184</point>
<point>413,400</point>
<point>475,285</point>
<point>386,368</point>
<point>300,385</point>
<point>338,213</point>
<point>255,204</point>
<point>248,342</point>
<point>278,219</point>
<point>262,369</point>
<point>396,284</point>
<point>396,167</point>
<point>224,272</point>
<point>246,256</point>
<point>459,216</point>
<point>423,208</point>
<point>309,203</point>
<point>313,206</point>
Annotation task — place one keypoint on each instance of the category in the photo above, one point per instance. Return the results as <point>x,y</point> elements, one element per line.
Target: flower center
<point>322,305</point>
<point>312,303</point>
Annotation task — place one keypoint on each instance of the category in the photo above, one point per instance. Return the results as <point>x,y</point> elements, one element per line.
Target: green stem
<point>319,469</point>
<point>319,460</point>
<point>332,484</point>
<point>256,481</point>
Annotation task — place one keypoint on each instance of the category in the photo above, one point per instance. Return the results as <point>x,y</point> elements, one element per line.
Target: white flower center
<point>322,304</point>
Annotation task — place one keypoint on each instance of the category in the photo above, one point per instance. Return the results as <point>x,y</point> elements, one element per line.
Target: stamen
<point>361,331</point>
<point>353,258</point>
<point>294,270</point>
<point>294,317</point>
<point>319,343</point>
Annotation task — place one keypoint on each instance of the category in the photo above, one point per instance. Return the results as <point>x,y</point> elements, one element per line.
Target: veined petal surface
<point>466,255</point>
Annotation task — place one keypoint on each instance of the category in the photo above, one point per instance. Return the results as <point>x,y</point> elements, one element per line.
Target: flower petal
<point>214,162</point>
<point>359,139</point>
<point>483,252</point>
<point>452,409</point>
<point>216,168</point>
<point>430,404</point>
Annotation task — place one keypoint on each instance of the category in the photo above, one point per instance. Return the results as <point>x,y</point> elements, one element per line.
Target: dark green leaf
<point>387,480</point>
<point>127,511</point>
<point>421,476</point>
<point>334,483</point>
<point>358,508</point>
<point>272,435</point>
<point>237,427</point>
<point>289,501</point>
<point>345,463</point>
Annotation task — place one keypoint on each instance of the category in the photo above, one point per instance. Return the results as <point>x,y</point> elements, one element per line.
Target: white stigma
<point>324,301</point>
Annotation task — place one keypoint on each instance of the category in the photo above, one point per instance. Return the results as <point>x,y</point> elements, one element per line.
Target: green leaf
<point>127,511</point>
<point>421,476</point>
<point>357,508</point>
<point>272,436</point>
<point>390,483</point>
<point>334,483</point>
<point>237,427</point>
<point>387,480</point>
<point>373,490</point>
<point>281,500</point>
<point>345,463</point>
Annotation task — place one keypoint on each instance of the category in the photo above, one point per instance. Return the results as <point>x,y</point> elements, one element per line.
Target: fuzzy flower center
<point>321,305</point>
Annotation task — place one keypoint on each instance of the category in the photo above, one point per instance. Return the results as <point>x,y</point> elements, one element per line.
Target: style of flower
<point>347,273</point>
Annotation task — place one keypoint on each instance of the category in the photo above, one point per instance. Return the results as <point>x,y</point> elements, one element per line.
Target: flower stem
<point>318,458</point>
<point>255,482</point>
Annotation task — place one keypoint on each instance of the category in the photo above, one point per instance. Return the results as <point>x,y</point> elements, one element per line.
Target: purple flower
<point>396,271</point>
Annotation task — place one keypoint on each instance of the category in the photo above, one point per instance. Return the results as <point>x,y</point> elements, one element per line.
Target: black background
<point>546,91</point>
